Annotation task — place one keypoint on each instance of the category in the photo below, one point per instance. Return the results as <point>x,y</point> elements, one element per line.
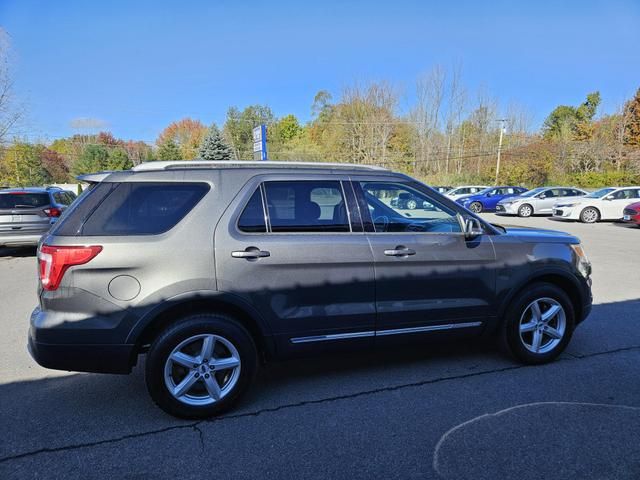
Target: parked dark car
<point>408,201</point>
<point>631,213</point>
<point>209,268</point>
<point>28,213</point>
<point>487,199</point>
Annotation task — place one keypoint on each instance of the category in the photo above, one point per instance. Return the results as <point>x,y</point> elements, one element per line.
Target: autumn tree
<point>186,135</point>
<point>632,123</point>
<point>55,165</point>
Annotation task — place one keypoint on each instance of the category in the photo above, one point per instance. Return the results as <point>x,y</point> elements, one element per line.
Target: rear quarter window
<point>143,208</point>
<point>132,208</point>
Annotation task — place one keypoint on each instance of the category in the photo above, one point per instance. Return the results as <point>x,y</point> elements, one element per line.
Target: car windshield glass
<point>600,193</point>
<point>486,190</point>
<point>531,193</point>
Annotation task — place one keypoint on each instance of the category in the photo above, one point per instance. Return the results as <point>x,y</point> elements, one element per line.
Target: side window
<point>306,206</point>
<point>252,218</point>
<point>389,215</point>
<point>62,198</point>
<point>143,208</point>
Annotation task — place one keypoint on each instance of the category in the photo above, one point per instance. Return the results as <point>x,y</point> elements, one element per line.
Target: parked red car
<point>631,213</point>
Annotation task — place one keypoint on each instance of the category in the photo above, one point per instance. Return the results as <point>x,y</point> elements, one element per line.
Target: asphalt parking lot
<point>447,411</point>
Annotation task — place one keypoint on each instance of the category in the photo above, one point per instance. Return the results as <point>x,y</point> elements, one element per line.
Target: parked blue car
<point>487,199</point>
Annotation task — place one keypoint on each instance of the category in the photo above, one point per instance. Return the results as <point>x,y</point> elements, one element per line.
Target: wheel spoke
<point>528,327</point>
<point>537,340</point>
<point>208,345</point>
<point>552,312</point>
<point>183,359</point>
<point>226,363</point>
<point>212,387</point>
<point>536,315</point>
<point>184,386</point>
<point>552,332</point>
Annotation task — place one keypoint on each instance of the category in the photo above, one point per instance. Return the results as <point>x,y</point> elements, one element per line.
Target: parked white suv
<point>464,190</point>
<point>537,201</point>
<point>604,204</point>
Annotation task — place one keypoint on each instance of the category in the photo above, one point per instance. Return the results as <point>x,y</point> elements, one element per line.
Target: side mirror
<point>608,198</point>
<point>471,227</point>
<point>542,195</point>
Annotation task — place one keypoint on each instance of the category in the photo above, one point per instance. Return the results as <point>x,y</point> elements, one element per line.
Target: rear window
<point>23,200</point>
<point>133,208</point>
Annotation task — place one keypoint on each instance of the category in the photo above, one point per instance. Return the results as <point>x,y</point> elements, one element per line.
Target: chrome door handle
<point>400,251</point>
<point>250,253</point>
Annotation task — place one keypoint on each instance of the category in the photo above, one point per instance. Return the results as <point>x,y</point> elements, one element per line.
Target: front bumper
<point>631,216</point>
<point>507,209</point>
<point>69,346</point>
<point>569,213</point>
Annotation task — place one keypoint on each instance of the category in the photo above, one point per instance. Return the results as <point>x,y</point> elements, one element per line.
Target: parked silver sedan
<point>537,201</point>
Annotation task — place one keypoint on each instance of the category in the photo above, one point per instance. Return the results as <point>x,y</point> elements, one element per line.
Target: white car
<point>538,201</point>
<point>464,190</point>
<point>604,204</point>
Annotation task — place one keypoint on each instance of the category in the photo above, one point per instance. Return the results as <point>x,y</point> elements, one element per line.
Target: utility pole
<point>502,122</point>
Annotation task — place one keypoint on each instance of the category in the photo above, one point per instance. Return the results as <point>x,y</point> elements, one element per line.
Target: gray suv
<point>27,213</point>
<point>210,268</point>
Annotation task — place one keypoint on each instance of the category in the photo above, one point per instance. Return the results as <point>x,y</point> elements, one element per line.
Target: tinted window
<point>63,198</point>
<point>428,216</point>
<point>252,218</point>
<point>306,206</point>
<point>23,200</point>
<point>626,194</point>
<point>143,208</point>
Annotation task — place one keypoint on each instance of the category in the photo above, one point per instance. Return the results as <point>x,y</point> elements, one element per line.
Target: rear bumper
<point>31,239</point>
<point>66,347</point>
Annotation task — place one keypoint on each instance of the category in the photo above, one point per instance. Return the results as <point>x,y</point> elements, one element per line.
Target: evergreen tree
<point>169,151</point>
<point>213,146</point>
<point>92,159</point>
<point>118,160</point>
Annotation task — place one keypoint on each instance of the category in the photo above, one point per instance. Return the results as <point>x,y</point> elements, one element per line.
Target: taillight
<point>53,212</point>
<point>54,261</point>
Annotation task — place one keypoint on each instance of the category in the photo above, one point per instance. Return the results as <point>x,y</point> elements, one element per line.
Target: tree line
<point>445,136</point>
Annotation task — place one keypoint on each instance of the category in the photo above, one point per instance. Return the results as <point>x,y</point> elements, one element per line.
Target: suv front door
<point>289,247</point>
<point>429,277</point>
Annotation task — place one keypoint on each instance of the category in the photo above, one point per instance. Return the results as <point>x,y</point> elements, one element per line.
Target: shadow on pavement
<point>74,409</point>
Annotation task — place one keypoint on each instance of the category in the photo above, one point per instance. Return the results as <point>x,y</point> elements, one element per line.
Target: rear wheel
<point>589,215</point>
<point>475,207</point>
<point>412,204</point>
<point>538,324</point>
<point>200,366</point>
<point>525,210</point>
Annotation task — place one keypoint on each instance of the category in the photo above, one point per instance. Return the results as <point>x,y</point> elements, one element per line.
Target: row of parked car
<point>569,203</point>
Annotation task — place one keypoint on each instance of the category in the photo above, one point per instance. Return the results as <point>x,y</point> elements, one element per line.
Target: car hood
<point>580,199</point>
<point>466,197</point>
<point>634,206</point>
<point>511,198</point>
<point>540,235</point>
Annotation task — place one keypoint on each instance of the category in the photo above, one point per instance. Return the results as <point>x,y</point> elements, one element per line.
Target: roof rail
<point>180,164</point>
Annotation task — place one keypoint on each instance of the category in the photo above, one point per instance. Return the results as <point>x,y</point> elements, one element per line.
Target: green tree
<point>94,158</point>
<point>288,128</point>
<point>22,165</point>
<point>118,160</point>
<point>238,128</point>
<point>213,146</point>
<point>169,151</point>
<point>577,119</point>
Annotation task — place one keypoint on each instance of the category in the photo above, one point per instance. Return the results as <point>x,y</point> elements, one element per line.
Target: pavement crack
<point>196,425</point>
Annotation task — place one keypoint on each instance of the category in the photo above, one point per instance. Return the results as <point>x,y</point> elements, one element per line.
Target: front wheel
<point>589,215</point>
<point>200,366</point>
<point>475,207</point>
<point>538,324</point>
<point>525,210</point>
<point>412,204</point>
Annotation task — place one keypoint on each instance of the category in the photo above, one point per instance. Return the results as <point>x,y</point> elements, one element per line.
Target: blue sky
<point>139,65</point>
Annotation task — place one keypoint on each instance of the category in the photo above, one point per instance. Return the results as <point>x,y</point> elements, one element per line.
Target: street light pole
<point>502,122</point>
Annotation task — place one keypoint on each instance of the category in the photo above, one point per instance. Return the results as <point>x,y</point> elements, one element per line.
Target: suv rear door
<point>23,213</point>
<point>428,276</point>
<point>289,246</point>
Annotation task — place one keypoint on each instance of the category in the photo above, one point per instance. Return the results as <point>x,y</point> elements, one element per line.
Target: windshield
<point>486,190</point>
<point>600,193</point>
<point>531,193</point>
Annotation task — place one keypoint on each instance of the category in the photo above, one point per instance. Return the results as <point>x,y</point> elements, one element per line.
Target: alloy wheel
<point>589,215</point>
<point>475,207</point>
<point>542,325</point>
<point>412,204</point>
<point>202,369</point>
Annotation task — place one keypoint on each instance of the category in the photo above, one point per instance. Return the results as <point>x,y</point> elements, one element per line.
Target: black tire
<point>512,340</point>
<point>589,215</point>
<point>525,210</point>
<point>475,207</point>
<point>221,326</point>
